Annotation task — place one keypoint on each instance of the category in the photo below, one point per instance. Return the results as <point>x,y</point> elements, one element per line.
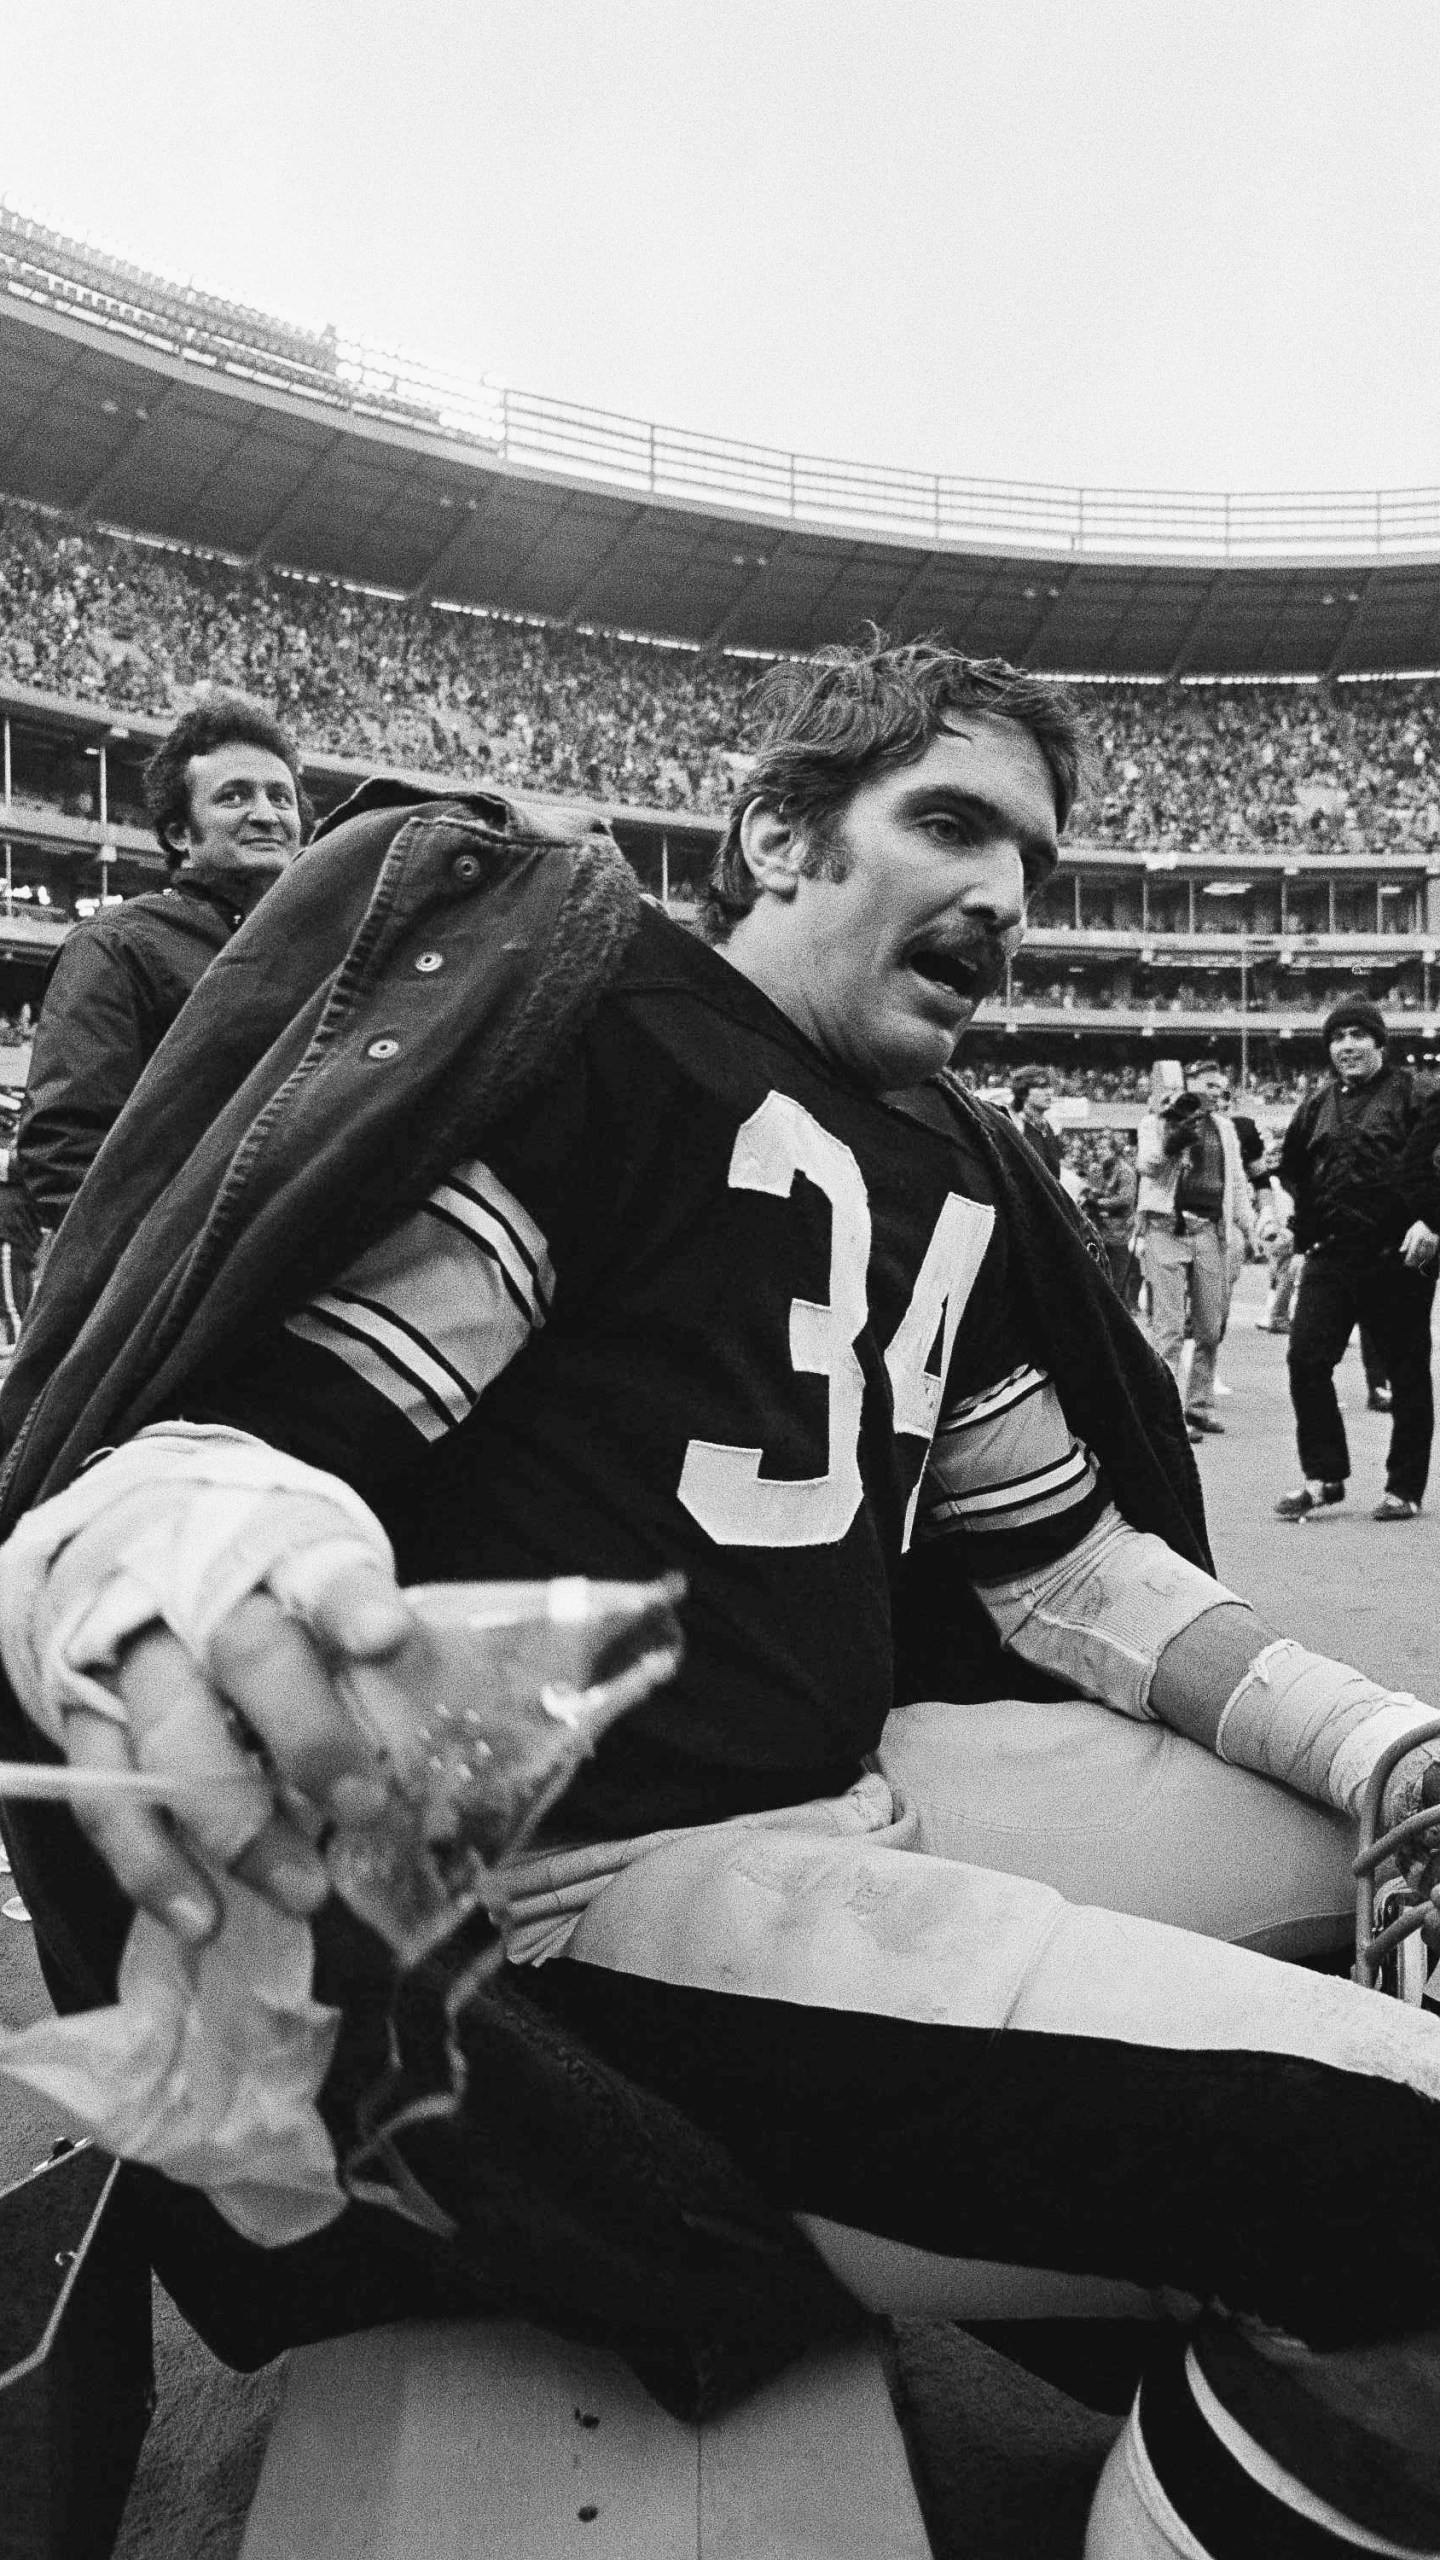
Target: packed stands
<point>100,618</point>
<point>1350,770</point>
<point>1355,769</point>
<point>1242,856</point>
<point>1116,988</point>
<point>1129,1085</point>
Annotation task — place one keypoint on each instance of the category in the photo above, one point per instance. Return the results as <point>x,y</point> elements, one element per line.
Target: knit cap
<point>1356,1014</point>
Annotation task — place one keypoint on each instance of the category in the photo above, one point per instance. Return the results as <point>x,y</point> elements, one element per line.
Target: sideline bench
<point>496,2441</point>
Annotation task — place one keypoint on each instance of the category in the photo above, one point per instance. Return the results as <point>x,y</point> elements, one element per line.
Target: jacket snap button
<point>429,961</point>
<point>383,1049</point>
<point>466,867</point>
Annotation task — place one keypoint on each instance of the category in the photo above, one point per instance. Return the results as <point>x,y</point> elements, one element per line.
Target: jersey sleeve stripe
<point>1006,1461</point>
<point>999,1448</point>
<point>1073,1476</point>
<point>368,1315</point>
<point>430,1315</point>
<point>1009,1392</point>
<point>426,1413</point>
<point>475,1184</point>
<point>522,1291</point>
<point>1008,1531</point>
<point>350,1316</point>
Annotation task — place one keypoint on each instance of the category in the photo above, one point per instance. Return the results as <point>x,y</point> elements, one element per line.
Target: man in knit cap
<point>1370,1259</point>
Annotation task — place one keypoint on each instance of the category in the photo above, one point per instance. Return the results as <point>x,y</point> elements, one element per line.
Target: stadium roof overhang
<point>135,437</point>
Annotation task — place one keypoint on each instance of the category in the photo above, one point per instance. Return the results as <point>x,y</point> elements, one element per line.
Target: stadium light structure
<point>106,855</point>
<point>1238,889</point>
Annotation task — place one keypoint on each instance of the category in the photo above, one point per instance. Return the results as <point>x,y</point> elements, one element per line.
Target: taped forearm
<point>1100,1618</point>
<point>175,1529</point>
<point>1320,1727</point>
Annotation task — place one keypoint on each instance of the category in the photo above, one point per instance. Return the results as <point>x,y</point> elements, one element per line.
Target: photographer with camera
<point>1194,1206</point>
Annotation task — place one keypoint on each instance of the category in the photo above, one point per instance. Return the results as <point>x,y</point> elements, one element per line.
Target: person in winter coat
<point>1113,1205</point>
<point>1031,1095</point>
<point>1370,1259</point>
<point>226,801</point>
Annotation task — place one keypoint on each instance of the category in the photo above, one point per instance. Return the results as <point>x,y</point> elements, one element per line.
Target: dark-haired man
<point>1031,1094</point>
<point>702,1259</point>
<point>224,795</point>
<point>1370,1259</point>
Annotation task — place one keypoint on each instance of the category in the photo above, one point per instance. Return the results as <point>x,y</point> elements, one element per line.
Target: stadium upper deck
<point>1185,940</point>
<point>136,401</point>
<point>1241,852</point>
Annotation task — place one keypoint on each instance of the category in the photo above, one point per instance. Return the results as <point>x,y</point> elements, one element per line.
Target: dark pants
<point>1394,1305</point>
<point>1124,1267</point>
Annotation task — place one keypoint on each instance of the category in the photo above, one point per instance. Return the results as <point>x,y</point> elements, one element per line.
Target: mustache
<point>987,955</point>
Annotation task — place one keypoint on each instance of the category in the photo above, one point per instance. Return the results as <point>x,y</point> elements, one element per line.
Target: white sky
<point>1171,243</point>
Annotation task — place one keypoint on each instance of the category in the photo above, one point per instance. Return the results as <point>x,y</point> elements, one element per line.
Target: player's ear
<point>772,849</point>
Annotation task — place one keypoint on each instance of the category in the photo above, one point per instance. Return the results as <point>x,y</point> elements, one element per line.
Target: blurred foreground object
<point>76,2382</point>
<point>523,1680</point>
<point>209,2065</point>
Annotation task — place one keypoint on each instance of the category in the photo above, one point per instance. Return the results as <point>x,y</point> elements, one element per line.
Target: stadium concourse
<point>1008,2462</point>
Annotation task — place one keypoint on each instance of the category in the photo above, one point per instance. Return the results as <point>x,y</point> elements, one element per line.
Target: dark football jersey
<point>701,1305</point>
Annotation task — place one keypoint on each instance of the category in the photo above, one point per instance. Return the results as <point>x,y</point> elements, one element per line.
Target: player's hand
<point>1418,1246</point>
<point>266,1747</point>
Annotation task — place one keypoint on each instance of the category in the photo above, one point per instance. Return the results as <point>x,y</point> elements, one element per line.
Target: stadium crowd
<point>1113,984</point>
<point>1352,771</point>
<point>990,1069</point>
<point>357,674</point>
<point>540,708</point>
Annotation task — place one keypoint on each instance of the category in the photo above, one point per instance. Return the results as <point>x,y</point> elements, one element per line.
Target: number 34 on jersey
<point>722,1485</point>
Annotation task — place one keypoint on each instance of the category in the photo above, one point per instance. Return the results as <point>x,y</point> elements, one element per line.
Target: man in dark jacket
<point>1031,1094</point>
<point>225,798</point>
<point>1113,1207</point>
<point>702,1259</point>
<point>1369,1260</point>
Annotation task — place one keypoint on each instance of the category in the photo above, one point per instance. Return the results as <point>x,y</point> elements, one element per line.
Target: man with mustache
<point>736,1279</point>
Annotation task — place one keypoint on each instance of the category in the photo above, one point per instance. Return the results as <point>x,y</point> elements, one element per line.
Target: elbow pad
<point>1320,1727</point>
<point>1101,1616</point>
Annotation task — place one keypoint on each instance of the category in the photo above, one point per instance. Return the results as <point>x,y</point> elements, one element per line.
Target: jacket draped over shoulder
<point>426,967</point>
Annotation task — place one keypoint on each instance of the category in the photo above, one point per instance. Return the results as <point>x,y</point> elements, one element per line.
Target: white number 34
<point>721,1485</point>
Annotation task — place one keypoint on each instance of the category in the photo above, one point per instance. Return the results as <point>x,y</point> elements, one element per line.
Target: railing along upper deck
<point>939,510</point>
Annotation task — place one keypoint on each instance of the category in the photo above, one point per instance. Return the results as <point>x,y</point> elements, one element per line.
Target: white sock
<point>1185,2481</point>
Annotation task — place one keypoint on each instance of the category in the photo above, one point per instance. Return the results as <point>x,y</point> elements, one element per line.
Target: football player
<point>914,1888</point>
